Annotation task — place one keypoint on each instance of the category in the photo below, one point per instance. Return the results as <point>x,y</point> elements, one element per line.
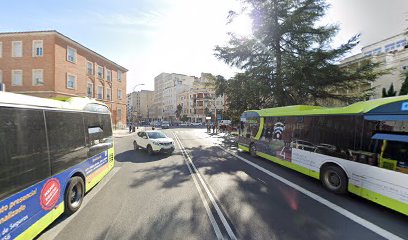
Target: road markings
<point>53,232</point>
<point>210,196</point>
<point>378,230</point>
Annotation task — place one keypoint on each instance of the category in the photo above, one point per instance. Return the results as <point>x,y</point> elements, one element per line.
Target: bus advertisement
<point>361,148</point>
<point>52,152</point>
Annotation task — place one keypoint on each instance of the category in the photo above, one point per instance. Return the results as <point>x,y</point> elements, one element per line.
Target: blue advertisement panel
<point>20,211</point>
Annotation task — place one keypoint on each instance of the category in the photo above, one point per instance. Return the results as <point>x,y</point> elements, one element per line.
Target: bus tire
<point>252,150</point>
<point>74,195</point>
<point>135,146</point>
<point>334,179</point>
<point>149,150</point>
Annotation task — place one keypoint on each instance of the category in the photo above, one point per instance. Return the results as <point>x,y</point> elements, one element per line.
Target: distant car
<point>153,141</point>
<point>183,124</point>
<point>225,122</point>
<point>165,125</point>
<point>196,124</point>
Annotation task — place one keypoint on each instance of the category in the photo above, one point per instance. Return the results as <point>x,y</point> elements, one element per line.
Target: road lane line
<point>203,199</point>
<point>53,232</point>
<point>210,196</point>
<point>371,226</point>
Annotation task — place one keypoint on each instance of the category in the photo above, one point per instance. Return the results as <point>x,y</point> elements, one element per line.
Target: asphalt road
<point>208,190</point>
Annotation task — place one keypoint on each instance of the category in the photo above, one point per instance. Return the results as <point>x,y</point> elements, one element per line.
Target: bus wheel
<point>135,146</point>
<point>334,179</point>
<point>252,150</point>
<point>74,195</point>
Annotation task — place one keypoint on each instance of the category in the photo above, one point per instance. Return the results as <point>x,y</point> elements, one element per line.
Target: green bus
<point>51,153</point>
<point>361,148</point>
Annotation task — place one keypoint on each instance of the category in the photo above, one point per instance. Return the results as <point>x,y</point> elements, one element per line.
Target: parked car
<point>165,124</point>
<point>153,141</point>
<point>196,124</point>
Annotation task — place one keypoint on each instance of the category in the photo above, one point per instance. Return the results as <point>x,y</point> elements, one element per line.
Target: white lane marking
<point>203,199</point>
<point>210,196</point>
<point>371,226</point>
<point>55,230</point>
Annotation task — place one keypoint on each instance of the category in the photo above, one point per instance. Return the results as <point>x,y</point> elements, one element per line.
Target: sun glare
<point>241,25</point>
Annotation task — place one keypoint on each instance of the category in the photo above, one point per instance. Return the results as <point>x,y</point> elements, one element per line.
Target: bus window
<point>66,138</point>
<point>394,155</point>
<point>23,151</point>
<point>99,132</point>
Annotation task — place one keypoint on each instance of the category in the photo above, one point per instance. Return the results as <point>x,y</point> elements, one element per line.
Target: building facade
<point>49,64</point>
<point>392,53</point>
<point>138,105</point>
<point>166,88</point>
<point>200,101</point>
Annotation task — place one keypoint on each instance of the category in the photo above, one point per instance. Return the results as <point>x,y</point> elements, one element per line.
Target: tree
<point>288,59</point>
<point>184,118</point>
<point>178,111</point>
<point>404,87</point>
<point>390,93</point>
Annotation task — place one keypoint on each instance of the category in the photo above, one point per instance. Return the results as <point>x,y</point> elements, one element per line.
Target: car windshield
<point>155,135</point>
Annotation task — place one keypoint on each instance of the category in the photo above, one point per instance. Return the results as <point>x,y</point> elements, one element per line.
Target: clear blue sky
<point>150,37</point>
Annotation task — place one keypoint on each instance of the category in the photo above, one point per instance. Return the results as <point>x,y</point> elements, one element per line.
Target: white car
<point>196,124</point>
<point>153,141</point>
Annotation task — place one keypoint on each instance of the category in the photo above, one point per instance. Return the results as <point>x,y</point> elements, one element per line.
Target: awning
<point>391,137</point>
<point>402,117</point>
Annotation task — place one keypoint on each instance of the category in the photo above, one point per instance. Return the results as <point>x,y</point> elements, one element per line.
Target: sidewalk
<point>123,132</point>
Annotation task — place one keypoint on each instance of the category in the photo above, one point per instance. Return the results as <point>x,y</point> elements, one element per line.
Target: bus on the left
<point>51,153</point>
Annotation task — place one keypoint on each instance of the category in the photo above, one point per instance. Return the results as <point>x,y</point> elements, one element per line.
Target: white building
<point>138,105</point>
<point>392,53</point>
<point>166,88</point>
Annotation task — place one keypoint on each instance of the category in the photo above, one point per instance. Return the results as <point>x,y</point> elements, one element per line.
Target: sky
<point>149,37</point>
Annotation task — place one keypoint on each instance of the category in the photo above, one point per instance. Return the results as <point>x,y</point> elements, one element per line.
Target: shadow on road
<point>140,156</point>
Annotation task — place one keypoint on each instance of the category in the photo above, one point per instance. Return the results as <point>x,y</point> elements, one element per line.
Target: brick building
<point>49,64</point>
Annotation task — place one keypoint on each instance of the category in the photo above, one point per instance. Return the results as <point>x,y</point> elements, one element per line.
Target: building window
<point>119,115</point>
<point>1,49</point>
<point>119,94</point>
<point>109,94</point>
<point>16,77</point>
<point>37,48</point>
<point>100,92</point>
<point>71,54</point>
<point>38,77</point>
<point>89,66</point>
<point>1,76</point>
<point>108,75</point>
<point>89,90</point>
<point>100,72</point>
<point>71,81</point>
<point>119,76</point>
<point>17,49</point>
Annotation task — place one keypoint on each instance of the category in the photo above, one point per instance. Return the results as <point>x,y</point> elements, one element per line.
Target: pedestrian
<point>130,128</point>
<point>213,128</point>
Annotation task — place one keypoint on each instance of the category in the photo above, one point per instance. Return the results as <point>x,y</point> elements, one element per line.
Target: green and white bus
<point>51,153</point>
<point>361,148</point>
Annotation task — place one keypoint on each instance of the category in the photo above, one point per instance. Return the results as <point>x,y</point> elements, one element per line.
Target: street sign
<point>208,118</point>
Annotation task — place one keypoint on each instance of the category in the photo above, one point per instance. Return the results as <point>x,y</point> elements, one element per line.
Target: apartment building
<point>166,88</point>
<point>200,101</point>
<point>392,53</point>
<point>49,64</point>
<point>139,104</point>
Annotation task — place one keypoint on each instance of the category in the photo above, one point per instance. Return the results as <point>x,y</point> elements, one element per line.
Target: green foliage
<point>179,110</point>
<point>390,93</point>
<point>289,60</point>
<point>404,87</point>
<point>184,118</point>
